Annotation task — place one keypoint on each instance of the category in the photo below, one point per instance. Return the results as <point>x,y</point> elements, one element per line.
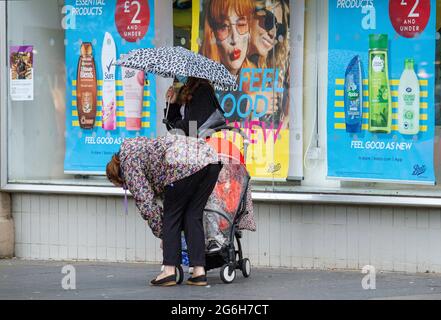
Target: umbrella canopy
<point>170,62</point>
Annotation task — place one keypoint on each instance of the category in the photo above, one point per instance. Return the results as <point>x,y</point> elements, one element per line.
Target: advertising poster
<point>21,73</point>
<point>105,103</point>
<point>438,67</point>
<point>251,39</point>
<point>381,75</point>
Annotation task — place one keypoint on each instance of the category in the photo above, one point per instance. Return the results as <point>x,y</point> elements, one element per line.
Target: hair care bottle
<point>86,87</point>
<point>133,86</point>
<point>380,105</point>
<point>108,57</point>
<point>409,100</point>
<point>353,96</point>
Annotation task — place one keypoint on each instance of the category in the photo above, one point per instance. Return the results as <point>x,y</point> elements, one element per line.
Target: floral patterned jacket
<point>149,165</point>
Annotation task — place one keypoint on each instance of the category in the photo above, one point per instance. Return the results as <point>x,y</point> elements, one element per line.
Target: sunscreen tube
<point>133,87</point>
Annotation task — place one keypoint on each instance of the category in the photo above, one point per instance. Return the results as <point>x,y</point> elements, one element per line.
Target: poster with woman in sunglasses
<point>269,49</point>
<point>251,38</point>
<point>227,40</point>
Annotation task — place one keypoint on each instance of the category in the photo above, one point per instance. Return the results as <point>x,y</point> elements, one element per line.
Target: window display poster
<point>251,39</point>
<point>438,67</point>
<point>105,103</point>
<point>381,117</point>
<point>21,73</point>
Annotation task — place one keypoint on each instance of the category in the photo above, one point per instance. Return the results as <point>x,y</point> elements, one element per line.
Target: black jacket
<point>199,109</point>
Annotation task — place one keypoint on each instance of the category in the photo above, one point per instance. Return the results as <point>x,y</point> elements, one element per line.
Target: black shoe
<point>165,282</point>
<point>197,281</point>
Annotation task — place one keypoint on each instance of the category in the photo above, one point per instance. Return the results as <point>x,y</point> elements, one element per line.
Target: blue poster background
<point>88,151</point>
<point>406,159</point>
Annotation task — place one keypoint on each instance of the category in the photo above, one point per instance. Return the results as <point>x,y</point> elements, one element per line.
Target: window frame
<point>296,195</point>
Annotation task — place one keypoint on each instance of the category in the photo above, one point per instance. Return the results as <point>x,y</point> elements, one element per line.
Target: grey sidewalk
<point>42,280</point>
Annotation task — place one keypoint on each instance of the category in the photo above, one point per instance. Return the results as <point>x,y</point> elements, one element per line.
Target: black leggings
<point>184,205</point>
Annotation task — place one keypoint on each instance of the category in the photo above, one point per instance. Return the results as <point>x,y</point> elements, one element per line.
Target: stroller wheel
<point>179,274</point>
<point>245,266</point>
<point>225,276</point>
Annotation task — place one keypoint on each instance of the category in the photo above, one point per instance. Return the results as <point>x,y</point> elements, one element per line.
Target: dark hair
<point>113,170</point>
<point>186,94</point>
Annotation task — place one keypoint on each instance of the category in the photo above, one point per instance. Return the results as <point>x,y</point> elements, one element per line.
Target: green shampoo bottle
<point>380,104</point>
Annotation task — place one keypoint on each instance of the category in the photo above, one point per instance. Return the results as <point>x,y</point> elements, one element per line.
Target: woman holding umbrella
<point>195,71</point>
<point>183,172</point>
<point>193,104</point>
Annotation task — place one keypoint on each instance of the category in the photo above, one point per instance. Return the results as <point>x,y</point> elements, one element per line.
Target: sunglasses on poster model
<point>269,22</point>
<point>223,30</point>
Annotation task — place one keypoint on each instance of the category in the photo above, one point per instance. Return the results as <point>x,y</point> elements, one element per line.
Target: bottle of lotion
<point>108,57</point>
<point>133,86</point>
<point>409,100</point>
<point>86,87</point>
<point>380,104</point>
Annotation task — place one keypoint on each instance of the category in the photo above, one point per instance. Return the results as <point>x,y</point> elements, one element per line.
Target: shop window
<point>323,93</point>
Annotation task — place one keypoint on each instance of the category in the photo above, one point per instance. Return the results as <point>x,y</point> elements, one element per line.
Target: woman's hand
<point>171,95</point>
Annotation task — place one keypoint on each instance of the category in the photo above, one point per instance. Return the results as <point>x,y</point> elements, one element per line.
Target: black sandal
<point>164,282</point>
<point>197,281</point>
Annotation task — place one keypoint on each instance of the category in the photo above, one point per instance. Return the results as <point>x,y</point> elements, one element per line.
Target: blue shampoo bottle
<point>353,95</point>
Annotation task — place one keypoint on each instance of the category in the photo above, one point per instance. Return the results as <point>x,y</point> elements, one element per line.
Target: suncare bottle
<point>380,105</point>
<point>108,57</point>
<point>353,96</point>
<point>409,100</point>
<point>133,86</point>
<point>86,87</point>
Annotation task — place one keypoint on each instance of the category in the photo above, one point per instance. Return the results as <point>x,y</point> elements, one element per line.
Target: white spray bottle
<point>108,58</point>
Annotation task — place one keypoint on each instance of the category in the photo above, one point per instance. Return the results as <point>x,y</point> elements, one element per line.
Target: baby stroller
<point>224,210</point>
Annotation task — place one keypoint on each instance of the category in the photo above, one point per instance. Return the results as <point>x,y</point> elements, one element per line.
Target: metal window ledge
<point>280,197</point>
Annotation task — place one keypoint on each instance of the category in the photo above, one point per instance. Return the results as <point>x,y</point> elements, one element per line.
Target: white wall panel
<point>285,235</point>
<point>121,226</point>
<point>101,228</point>
<point>44,227</point>
<point>82,227</point>
<point>63,226</point>
<point>275,237</point>
<point>92,227</point>
<point>130,235</point>
<point>352,238</point>
<point>110,229</point>
<point>54,230</point>
<point>289,235</point>
<point>72,227</point>
<point>263,235</point>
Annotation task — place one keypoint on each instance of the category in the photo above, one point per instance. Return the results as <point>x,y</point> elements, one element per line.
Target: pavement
<point>42,280</point>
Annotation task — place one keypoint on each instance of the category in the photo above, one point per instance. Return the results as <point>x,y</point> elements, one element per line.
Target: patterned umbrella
<point>169,62</point>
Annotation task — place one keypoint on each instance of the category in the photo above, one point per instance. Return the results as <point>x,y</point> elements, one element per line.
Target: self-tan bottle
<point>86,87</point>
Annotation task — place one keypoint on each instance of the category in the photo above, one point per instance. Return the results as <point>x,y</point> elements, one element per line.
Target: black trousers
<point>184,205</point>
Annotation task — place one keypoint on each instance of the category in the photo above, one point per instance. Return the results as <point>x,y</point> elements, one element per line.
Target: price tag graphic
<point>132,19</point>
<point>409,17</point>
